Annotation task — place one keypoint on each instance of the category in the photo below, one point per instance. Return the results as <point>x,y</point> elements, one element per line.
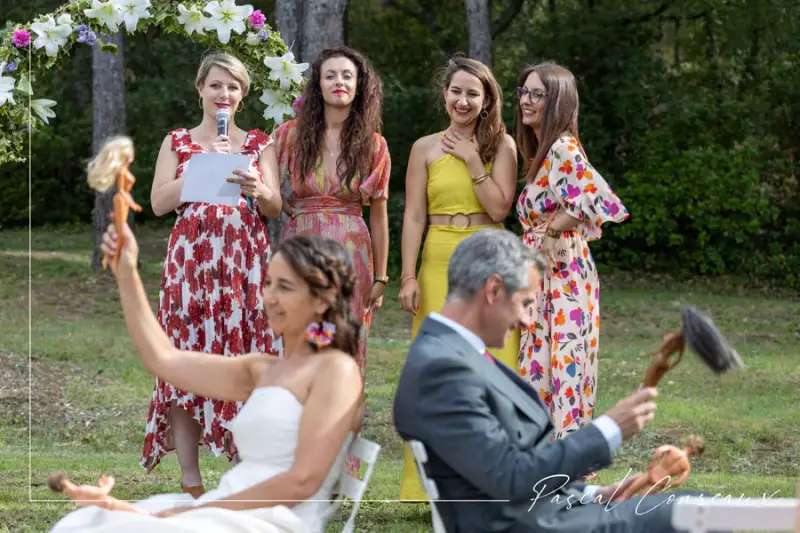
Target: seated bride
<point>300,415</point>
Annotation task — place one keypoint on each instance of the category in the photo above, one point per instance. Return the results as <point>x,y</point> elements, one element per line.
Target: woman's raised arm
<point>220,378</point>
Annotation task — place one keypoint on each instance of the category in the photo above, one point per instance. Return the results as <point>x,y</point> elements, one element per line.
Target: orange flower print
<point>523,371</point>
<point>584,173</point>
<point>563,350</point>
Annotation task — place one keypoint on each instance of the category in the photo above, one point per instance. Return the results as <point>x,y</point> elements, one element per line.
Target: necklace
<point>327,147</point>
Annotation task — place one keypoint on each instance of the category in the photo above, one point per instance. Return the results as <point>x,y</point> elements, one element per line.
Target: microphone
<point>223,117</point>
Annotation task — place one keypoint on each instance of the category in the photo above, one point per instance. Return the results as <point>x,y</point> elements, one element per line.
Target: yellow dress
<point>450,191</point>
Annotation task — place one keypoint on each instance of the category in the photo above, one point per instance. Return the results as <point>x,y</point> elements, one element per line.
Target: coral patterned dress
<point>323,205</point>
<point>210,299</point>
<point>558,353</point>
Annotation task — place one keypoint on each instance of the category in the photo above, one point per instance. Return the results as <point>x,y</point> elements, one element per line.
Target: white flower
<point>226,17</point>
<point>285,69</point>
<point>192,19</point>
<point>42,108</point>
<point>269,97</point>
<point>107,13</point>
<point>277,112</point>
<point>50,36</point>
<point>276,107</point>
<point>64,18</point>
<point>252,39</point>
<point>131,11</point>
<point>6,86</point>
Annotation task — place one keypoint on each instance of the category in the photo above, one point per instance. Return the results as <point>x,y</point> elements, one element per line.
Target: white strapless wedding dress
<point>265,432</point>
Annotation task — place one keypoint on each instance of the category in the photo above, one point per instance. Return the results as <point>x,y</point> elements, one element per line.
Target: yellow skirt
<point>432,278</point>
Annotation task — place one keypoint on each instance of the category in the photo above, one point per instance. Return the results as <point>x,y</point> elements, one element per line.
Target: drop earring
<point>320,334</point>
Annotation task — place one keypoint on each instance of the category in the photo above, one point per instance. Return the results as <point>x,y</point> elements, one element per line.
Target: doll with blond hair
<point>110,165</point>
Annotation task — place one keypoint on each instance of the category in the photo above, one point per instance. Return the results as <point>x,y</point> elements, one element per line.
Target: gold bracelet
<point>406,277</point>
<point>480,179</point>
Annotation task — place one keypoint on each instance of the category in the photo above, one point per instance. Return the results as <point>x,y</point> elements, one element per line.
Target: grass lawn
<point>90,392</point>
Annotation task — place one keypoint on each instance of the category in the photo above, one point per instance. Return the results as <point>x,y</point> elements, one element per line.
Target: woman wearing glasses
<point>561,209</point>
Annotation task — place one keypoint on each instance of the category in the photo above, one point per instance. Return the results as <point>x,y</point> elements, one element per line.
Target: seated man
<point>488,434</point>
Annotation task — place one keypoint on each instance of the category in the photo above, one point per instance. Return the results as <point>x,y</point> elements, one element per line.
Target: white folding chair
<point>428,485</point>
<point>353,488</point>
<point>697,514</point>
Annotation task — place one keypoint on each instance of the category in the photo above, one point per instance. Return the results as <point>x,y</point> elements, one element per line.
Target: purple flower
<point>549,205</point>
<point>611,207</point>
<point>21,38</point>
<point>11,67</point>
<point>556,388</point>
<point>86,35</point>
<point>576,315</point>
<point>297,103</point>
<point>572,191</point>
<point>264,34</point>
<point>574,266</point>
<point>536,370</point>
<point>257,19</point>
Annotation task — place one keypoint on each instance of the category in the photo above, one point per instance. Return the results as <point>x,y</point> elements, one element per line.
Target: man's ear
<point>494,289</point>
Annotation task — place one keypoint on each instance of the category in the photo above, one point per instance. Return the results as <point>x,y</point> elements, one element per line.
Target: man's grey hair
<point>487,252</point>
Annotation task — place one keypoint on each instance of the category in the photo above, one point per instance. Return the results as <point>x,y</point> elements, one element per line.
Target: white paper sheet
<point>204,178</point>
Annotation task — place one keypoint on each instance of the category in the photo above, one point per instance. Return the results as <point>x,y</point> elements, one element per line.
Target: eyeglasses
<point>535,95</point>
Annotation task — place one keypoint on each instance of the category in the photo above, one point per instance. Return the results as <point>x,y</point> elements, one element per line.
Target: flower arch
<point>46,42</point>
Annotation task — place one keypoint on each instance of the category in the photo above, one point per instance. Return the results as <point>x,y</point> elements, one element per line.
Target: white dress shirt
<point>604,423</point>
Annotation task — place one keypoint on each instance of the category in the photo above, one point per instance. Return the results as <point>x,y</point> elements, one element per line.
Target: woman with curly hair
<point>336,161</point>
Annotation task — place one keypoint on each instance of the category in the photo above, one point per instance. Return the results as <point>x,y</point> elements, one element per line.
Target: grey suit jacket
<point>488,436</point>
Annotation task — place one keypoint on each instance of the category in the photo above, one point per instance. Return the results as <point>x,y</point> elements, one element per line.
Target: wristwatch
<point>381,279</point>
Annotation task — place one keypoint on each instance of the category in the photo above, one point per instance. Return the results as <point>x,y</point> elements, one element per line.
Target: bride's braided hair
<point>325,264</point>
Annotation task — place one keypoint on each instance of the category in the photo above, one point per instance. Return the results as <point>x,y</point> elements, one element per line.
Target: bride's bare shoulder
<point>340,363</point>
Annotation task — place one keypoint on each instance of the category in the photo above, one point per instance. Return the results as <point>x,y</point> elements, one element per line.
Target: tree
<point>480,30</point>
<point>289,20</point>
<point>108,119</point>
<point>323,26</point>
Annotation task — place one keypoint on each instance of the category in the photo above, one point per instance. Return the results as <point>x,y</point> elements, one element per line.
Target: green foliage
<point>14,117</point>
<point>697,128</point>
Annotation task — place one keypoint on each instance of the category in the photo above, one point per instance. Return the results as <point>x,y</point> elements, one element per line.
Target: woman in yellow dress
<point>460,181</point>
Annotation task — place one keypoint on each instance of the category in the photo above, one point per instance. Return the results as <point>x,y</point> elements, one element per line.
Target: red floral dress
<point>210,300</point>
